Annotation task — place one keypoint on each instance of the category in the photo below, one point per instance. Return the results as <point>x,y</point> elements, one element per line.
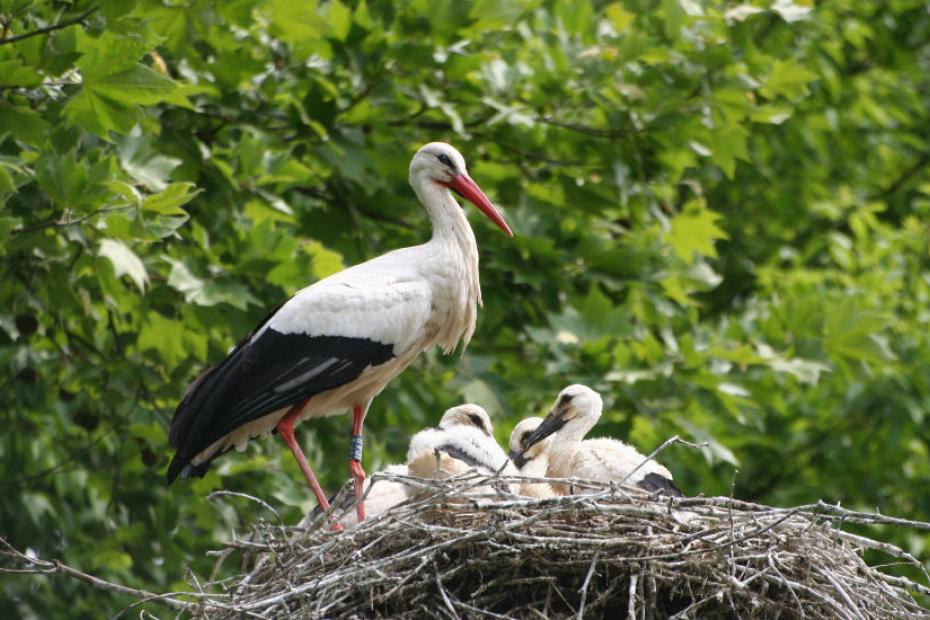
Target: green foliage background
<point>721,224</point>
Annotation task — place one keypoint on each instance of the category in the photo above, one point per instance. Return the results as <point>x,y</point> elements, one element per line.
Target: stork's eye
<point>444,159</point>
<point>525,437</point>
<point>566,398</point>
<point>475,419</point>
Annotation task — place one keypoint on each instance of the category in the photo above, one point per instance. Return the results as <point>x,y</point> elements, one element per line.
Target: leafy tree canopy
<point>721,224</point>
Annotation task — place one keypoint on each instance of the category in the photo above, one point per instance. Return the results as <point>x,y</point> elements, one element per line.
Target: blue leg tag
<point>355,452</point>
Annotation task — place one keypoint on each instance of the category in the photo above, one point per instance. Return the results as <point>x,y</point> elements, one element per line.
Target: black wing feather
<point>656,483</point>
<point>260,376</point>
<point>460,455</point>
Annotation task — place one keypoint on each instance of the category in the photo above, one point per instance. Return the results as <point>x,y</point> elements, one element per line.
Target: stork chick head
<point>468,414</point>
<point>521,452</point>
<point>575,411</point>
<point>441,163</point>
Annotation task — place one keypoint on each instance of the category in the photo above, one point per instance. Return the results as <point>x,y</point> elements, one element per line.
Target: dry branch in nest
<point>616,552</point>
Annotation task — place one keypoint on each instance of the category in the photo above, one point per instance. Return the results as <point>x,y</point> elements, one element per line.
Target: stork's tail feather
<point>186,470</point>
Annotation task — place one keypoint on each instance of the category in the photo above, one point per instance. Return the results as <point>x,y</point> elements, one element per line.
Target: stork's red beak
<point>469,190</point>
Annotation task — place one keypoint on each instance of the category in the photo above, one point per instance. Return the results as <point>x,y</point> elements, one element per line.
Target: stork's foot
<point>358,475</point>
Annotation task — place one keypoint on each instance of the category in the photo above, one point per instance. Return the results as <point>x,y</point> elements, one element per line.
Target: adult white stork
<point>575,412</point>
<point>335,344</point>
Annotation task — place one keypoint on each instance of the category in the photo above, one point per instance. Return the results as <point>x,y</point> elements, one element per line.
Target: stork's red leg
<point>286,430</point>
<point>355,458</point>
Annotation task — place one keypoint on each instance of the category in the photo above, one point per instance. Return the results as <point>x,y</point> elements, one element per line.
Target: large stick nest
<point>616,551</point>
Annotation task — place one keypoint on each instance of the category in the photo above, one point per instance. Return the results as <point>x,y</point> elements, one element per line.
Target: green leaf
<point>494,13</point>
<point>326,262</point>
<point>110,101</point>
<point>164,336</point>
<point>362,15</point>
<point>15,74</point>
<point>619,16</point>
<point>772,114</point>
<point>853,334</point>
<point>62,178</point>
<point>340,19</point>
<point>6,181</point>
<point>590,318</point>
<point>601,316</point>
<point>577,17</point>
<point>112,560</point>
<point>25,124</point>
<point>296,22</point>
<point>479,391</point>
<point>170,200</point>
<point>788,79</point>
<point>727,145</point>
<point>113,9</point>
<point>694,231</point>
<point>138,85</point>
<point>100,115</point>
<point>674,17</point>
<point>109,53</point>
<point>143,163</point>
<point>207,292</point>
<point>125,261</point>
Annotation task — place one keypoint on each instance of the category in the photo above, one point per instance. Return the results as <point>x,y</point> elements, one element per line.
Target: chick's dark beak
<point>553,422</point>
<point>517,459</point>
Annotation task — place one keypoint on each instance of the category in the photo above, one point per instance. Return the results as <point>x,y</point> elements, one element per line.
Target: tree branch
<point>26,35</point>
<point>43,567</point>
<point>919,165</point>
<point>61,224</point>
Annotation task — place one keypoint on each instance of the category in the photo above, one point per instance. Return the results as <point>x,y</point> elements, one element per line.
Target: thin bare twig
<point>584,586</point>
<point>34,33</point>
<point>665,444</point>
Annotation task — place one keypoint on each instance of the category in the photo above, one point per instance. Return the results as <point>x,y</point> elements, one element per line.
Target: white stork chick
<point>380,496</point>
<point>335,345</point>
<point>532,461</point>
<point>576,410</point>
<point>463,441</point>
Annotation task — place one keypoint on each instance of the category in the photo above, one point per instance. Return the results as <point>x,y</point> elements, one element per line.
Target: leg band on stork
<point>355,451</point>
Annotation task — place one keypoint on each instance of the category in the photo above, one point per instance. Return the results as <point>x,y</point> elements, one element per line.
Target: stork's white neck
<point>445,214</point>
<point>457,260</point>
<point>536,466</point>
<point>576,428</point>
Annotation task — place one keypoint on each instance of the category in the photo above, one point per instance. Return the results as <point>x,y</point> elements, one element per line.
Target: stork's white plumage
<point>335,345</point>
<point>462,441</point>
<point>531,460</point>
<point>576,410</point>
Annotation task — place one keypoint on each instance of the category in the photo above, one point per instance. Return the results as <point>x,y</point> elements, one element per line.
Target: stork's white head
<point>575,411</point>
<point>438,161</point>
<point>521,452</point>
<point>468,414</point>
<point>441,163</point>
